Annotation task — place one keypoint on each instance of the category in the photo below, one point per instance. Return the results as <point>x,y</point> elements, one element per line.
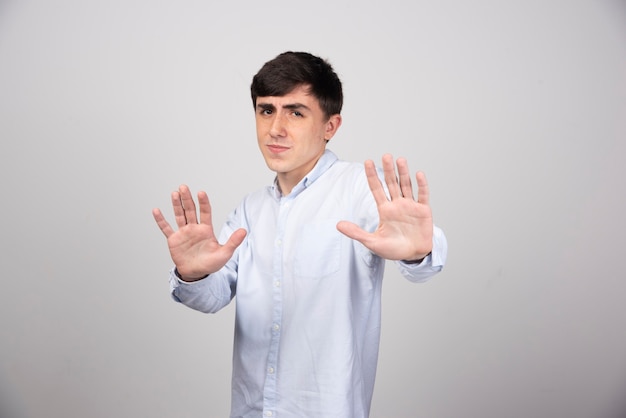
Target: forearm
<point>208,295</point>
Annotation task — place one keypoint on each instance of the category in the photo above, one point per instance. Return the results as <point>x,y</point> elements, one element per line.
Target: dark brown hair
<point>289,70</point>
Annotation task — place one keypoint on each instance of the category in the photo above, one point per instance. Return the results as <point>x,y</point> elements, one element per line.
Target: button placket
<point>269,392</point>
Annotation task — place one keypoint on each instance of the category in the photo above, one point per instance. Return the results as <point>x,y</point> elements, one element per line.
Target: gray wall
<point>515,110</point>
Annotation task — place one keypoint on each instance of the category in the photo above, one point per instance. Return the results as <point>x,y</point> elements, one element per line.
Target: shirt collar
<point>324,163</point>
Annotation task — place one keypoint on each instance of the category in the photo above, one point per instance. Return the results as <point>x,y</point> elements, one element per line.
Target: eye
<point>298,114</point>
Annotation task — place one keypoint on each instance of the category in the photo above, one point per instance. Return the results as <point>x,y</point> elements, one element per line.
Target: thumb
<point>235,239</point>
<point>352,230</point>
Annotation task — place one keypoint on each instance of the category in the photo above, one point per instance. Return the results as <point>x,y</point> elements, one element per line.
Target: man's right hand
<point>193,247</point>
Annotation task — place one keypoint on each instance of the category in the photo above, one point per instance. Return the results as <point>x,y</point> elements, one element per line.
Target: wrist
<point>418,260</point>
<point>188,279</point>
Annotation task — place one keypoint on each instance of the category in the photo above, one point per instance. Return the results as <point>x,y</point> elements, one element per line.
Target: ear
<point>333,123</point>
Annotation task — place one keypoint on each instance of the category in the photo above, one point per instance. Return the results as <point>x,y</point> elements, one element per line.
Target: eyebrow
<point>296,106</point>
<point>290,106</point>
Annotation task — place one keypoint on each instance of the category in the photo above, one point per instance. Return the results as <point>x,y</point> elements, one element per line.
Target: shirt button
<point>276,327</point>
<point>268,414</point>
<point>279,242</point>
<point>277,283</point>
<point>270,370</point>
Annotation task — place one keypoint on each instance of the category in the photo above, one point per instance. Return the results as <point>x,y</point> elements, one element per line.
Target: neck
<point>286,184</point>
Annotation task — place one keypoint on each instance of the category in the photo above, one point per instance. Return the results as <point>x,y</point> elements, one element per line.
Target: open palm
<point>405,229</point>
<point>194,247</point>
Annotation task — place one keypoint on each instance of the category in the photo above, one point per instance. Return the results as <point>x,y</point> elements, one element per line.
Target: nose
<point>277,127</point>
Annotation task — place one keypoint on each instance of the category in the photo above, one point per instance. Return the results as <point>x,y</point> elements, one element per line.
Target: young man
<point>304,256</point>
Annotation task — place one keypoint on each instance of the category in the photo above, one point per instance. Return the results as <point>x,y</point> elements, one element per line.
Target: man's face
<point>292,131</point>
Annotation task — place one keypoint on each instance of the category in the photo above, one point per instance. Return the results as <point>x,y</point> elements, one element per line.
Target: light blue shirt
<point>307,324</point>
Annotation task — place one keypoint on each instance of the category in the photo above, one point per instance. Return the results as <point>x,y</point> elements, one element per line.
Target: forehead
<point>299,95</point>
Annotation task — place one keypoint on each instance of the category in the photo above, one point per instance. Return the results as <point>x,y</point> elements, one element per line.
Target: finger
<point>352,230</point>
<point>404,176</point>
<point>423,195</point>
<point>179,212</point>
<point>164,226</point>
<point>205,209</point>
<point>189,205</point>
<point>390,177</point>
<point>374,182</point>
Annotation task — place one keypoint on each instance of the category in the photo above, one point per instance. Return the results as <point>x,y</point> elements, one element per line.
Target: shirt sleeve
<point>431,265</point>
<point>207,295</point>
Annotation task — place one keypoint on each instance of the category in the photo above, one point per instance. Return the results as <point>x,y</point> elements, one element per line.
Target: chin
<point>273,164</point>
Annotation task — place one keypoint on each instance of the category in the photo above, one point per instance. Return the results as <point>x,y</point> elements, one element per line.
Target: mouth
<point>277,149</point>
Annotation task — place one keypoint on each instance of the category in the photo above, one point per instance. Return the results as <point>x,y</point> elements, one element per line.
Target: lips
<point>277,149</point>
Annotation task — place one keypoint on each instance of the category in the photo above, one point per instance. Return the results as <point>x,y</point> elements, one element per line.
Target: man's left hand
<point>405,229</point>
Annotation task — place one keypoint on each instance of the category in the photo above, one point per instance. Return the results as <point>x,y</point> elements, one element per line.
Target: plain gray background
<point>516,111</point>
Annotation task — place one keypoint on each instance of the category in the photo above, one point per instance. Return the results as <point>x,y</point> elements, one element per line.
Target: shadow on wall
<point>9,403</point>
<point>617,408</point>
<point>620,410</point>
